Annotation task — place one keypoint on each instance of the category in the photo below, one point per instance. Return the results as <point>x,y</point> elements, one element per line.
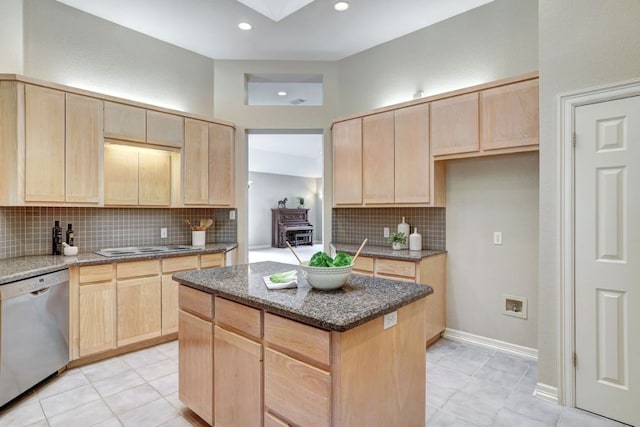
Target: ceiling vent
<point>298,101</point>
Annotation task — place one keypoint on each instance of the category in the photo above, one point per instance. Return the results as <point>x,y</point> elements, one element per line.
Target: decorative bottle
<point>415,240</point>
<point>403,227</point>
<point>56,239</point>
<point>70,235</point>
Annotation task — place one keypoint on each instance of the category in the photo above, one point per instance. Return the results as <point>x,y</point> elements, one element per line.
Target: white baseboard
<point>546,392</point>
<point>492,344</point>
<point>251,248</point>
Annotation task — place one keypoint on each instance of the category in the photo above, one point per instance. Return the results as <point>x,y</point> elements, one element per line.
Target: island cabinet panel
<point>165,129</point>
<point>347,162</point>
<point>195,302</point>
<point>271,420</point>
<point>139,309</point>
<point>509,116</point>
<point>378,158</point>
<point>296,391</point>
<point>412,159</point>
<point>195,364</point>
<point>455,125</point>
<point>44,144</point>
<point>237,379</point>
<point>238,317</point>
<point>306,342</point>
<point>84,149</point>
<point>359,355</point>
<point>125,122</point>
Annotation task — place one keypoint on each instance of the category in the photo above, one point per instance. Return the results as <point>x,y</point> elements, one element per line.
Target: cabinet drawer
<point>195,302</point>
<point>297,391</point>
<point>238,317</point>
<point>363,264</point>
<point>96,273</point>
<point>124,122</point>
<point>183,263</point>
<point>295,337</point>
<point>137,268</point>
<point>212,260</point>
<point>165,129</point>
<point>396,268</point>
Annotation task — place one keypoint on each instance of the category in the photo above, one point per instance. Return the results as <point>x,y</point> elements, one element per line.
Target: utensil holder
<point>198,238</point>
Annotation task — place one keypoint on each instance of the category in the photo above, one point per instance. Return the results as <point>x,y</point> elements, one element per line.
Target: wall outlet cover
<point>390,319</point>
<point>163,233</point>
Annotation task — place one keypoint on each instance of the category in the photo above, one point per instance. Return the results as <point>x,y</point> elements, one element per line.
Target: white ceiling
<point>282,29</point>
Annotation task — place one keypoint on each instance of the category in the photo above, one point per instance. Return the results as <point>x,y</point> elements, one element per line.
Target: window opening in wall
<point>299,90</point>
<point>285,170</point>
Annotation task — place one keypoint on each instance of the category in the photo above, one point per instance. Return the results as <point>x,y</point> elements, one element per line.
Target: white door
<point>607,258</point>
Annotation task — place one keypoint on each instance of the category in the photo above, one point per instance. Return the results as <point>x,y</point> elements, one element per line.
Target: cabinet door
<point>120,175</point>
<point>412,159</point>
<point>154,178</point>
<point>165,129</point>
<point>237,372</point>
<point>83,149</point>
<point>454,125</point>
<point>97,315</point>
<point>44,150</point>
<point>139,305</point>
<point>195,347</point>
<point>347,162</point>
<point>221,165</point>
<point>433,272</point>
<point>125,122</point>
<point>169,305</point>
<point>196,162</point>
<point>378,158</point>
<point>510,115</point>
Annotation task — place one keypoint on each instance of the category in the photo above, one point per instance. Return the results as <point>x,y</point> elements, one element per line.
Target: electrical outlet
<point>514,306</point>
<point>497,237</point>
<point>163,233</point>
<point>390,319</point>
<point>386,232</point>
<point>232,214</point>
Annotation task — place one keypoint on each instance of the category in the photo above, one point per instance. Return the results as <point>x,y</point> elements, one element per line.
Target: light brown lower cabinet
<point>287,373</point>
<point>97,309</point>
<point>139,302</point>
<point>430,270</point>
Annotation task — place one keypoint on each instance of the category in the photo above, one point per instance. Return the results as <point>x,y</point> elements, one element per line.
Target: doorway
<point>601,246</point>
<point>285,169</point>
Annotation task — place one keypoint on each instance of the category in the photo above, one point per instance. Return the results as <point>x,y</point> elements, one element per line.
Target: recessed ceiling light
<point>341,6</point>
<point>282,93</point>
<point>244,26</point>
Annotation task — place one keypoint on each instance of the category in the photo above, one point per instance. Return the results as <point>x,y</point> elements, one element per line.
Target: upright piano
<point>292,225</point>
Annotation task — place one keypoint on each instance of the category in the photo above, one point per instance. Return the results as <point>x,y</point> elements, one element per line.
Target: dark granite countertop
<point>385,252</point>
<point>13,269</point>
<point>361,299</point>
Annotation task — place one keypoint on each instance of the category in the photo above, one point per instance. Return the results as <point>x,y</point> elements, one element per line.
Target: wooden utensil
<point>358,253</point>
<point>186,221</point>
<point>294,252</point>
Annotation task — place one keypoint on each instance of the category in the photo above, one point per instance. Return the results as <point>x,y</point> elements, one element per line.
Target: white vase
<point>198,238</point>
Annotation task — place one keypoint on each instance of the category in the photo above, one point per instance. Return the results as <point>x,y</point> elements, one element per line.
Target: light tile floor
<point>305,252</point>
<point>466,386</point>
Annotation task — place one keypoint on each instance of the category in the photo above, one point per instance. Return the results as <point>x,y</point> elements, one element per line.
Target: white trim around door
<point>567,105</point>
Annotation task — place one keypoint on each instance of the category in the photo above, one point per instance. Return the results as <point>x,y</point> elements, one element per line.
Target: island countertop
<point>361,299</point>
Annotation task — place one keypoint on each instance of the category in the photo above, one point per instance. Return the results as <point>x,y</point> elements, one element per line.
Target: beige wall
<point>67,46</point>
<point>486,195</point>
<point>491,42</point>
<point>582,44</point>
<point>229,105</point>
<point>11,38</point>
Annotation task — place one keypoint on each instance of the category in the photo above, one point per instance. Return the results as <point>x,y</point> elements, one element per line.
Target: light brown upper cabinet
<point>455,125</point>
<point>412,160</point>
<point>509,115</point>
<point>221,165</point>
<point>378,158</point>
<point>165,129</point>
<point>44,144</point>
<point>154,178</point>
<point>125,122</point>
<point>209,158</point>
<point>84,143</point>
<point>347,162</point>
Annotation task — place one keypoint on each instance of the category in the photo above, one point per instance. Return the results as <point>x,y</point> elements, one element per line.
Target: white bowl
<point>70,250</point>
<point>326,278</point>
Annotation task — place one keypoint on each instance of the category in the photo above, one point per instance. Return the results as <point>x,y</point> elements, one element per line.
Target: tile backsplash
<point>353,225</point>
<point>27,230</point>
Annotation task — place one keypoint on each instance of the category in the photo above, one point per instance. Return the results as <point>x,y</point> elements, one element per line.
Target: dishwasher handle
<point>39,291</point>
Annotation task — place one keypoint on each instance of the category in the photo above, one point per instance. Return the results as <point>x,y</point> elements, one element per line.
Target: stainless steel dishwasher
<point>34,331</point>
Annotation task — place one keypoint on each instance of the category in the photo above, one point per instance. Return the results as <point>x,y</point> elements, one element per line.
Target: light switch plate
<point>163,233</point>
<point>390,319</point>
<point>497,237</point>
<point>232,214</point>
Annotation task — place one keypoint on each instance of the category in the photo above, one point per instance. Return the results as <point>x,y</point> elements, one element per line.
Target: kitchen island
<point>253,356</point>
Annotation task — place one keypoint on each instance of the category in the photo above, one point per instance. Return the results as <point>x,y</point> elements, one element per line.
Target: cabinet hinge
<point>574,358</point>
<point>573,139</point>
